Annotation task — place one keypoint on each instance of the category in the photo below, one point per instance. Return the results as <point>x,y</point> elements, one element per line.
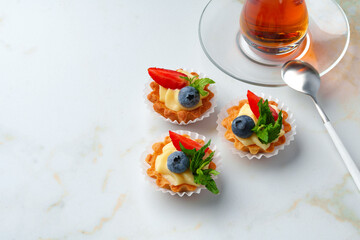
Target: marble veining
<point>334,204</point>
<point>104,220</point>
<point>73,126</point>
<point>64,194</point>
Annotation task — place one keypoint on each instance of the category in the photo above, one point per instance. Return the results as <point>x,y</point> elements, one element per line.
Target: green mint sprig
<point>266,129</point>
<point>197,163</point>
<point>199,84</point>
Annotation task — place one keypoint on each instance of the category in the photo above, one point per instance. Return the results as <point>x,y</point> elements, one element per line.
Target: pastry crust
<point>183,115</point>
<point>160,180</point>
<point>253,149</point>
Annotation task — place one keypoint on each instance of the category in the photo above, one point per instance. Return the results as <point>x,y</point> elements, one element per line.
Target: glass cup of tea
<point>274,27</point>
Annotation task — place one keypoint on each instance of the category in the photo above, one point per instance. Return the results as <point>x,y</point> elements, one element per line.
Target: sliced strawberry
<point>253,101</point>
<point>168,78</point>
<point>186,142</point>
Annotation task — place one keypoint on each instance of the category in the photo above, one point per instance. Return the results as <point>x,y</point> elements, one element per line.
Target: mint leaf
<point>211,171</point>
<point>188,152</point>
<point>264,119</point>
<point>199,83</point>
<point>274,130</point>
<point>262,134</point>
<point>197,160</point>
<point>190,80</point>
<point>197,163</point>
<point>266,129</point>
<point>265,113</point>
<point>207,160</point>
<point>211,186</point>
<point>205,179</point>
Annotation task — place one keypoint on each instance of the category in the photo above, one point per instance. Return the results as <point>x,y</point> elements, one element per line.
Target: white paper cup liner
<point>289,135</point>
<point>206,114</point>
<point>145,166</point>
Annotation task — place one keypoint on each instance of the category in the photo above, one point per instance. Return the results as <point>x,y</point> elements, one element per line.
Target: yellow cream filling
<point>253,139</point>
<point>173,178</point>
<point>170,96</point>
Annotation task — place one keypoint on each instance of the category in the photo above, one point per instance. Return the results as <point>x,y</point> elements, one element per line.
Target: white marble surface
<point>73,125</point>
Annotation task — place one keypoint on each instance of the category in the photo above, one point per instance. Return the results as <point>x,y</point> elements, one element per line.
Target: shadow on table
<point>284,158</point>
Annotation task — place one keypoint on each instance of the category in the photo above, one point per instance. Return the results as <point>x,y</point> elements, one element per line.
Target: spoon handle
<point>349,162</point>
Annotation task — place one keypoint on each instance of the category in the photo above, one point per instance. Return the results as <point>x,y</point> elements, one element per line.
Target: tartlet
<point>184,115</point>
<point>163,181</point>
<point>231,111</point>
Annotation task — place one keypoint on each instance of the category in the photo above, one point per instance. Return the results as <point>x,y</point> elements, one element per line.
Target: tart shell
<point>180,116</point>
<point>160,180</point>
<point>147,164</point>
<point>253,149</point>
<point>230,112</point>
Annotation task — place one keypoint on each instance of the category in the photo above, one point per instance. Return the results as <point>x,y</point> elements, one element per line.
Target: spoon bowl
<point>301,77</point>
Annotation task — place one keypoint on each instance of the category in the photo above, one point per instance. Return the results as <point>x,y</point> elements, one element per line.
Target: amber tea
<point>274,26</point>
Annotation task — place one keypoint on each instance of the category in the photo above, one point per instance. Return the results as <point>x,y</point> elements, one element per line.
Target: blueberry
<point>189,97</point>
<point>242,125</point>
<point>178,162</point>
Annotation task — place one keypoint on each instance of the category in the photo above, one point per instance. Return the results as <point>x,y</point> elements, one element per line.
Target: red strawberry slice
<point>253,101</point>
<point>168,78</point>
<point>186,142</point>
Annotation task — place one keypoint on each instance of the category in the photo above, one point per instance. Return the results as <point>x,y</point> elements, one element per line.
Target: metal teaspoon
<point>304,78</point>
